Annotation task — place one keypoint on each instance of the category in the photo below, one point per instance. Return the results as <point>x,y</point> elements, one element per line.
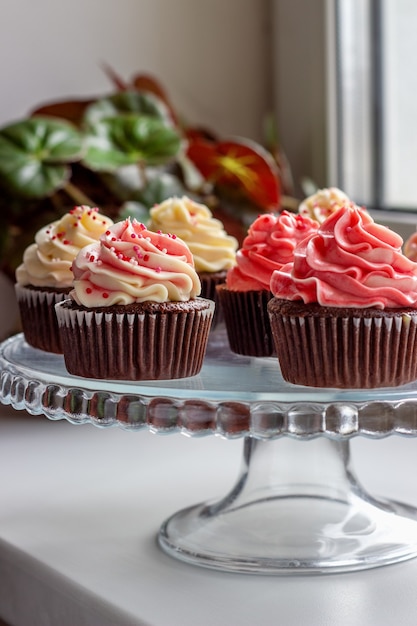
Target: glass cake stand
<point>297,506</point>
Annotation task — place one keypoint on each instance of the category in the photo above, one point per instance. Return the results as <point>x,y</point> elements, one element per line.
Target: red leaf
<point>71,110</point>
<point>117,80</point>
<point>242,164</point>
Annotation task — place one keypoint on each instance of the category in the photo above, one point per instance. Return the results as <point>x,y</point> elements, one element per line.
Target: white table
<point>80,508</point>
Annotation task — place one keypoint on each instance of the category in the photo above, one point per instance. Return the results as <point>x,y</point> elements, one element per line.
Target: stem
<point>77,195</point>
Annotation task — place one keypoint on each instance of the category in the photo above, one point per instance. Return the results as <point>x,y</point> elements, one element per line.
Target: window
<point>375,138</point>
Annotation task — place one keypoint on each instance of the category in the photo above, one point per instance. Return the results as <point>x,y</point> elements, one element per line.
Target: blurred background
<point>336,77</point>
<point>225,65</point>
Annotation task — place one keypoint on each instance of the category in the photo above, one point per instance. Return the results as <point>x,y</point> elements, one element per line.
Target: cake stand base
<point>297,508</point>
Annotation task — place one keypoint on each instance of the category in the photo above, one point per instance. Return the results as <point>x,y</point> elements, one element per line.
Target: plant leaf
<point>34,154</point>
<point>128,139</point>
<point>240,164</point>
<point>126,102</point>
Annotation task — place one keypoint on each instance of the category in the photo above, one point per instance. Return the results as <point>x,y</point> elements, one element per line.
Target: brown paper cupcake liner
<point>209,282</point>
<point>38,318</point>
<point>247,321</point>
<point>145,345</point>
<point>347,352</point>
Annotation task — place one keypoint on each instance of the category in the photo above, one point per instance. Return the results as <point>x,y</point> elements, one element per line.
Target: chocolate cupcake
<point>269,244</point>
<point>344,312</point>
<point>134,312</point>
<point>213,250</point>
<point>45,278</point>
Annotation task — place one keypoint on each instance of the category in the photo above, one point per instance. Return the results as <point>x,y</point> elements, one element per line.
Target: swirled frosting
<point>132,264</point>
<point>269,245</point>
<point>349,262</point>
<point>321,204</point>
<point>212,248</point>
<point>47,261</point>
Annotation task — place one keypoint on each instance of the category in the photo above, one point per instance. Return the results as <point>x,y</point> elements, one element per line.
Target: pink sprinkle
<point>158,269</point>
<point>133,235</point>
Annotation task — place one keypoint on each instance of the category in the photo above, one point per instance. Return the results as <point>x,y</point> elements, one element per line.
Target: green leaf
<point>119,141</point>
<point>135,210</point>
<point>125,102</point>
<point>34,154</point>
<point>160,186</point>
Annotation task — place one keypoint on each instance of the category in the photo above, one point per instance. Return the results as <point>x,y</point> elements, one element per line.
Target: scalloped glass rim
<point>232,397</point>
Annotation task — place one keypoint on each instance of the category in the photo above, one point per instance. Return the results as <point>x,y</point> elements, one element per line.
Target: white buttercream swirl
<point>212,248</point>
<point>47,262</point>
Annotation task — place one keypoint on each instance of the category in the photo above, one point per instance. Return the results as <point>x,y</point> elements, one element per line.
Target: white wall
<point>300,82</point>
<point>212,55</point>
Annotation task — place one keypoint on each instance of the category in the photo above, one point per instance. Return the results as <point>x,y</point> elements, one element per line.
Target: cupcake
<point>323,202</point>
<point>244,296</point>
<point>214,251</point>
<point>44,277</point>
<point>344,312</point>
<point>134,313</point>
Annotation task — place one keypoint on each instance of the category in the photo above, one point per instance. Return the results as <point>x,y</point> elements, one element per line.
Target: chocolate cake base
<point>247,321</point>
<point>344,347</point>
<point>37,315</point>
<point>143,341</point>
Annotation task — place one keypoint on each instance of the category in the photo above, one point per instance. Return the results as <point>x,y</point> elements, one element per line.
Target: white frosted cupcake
<point>45,277</point>
<point>213,249</point>
<point>323,202</point>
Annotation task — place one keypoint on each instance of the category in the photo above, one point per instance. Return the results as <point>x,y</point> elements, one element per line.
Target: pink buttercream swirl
<point>270,244</point>
<point>349,262</point>
<point>132,264</point>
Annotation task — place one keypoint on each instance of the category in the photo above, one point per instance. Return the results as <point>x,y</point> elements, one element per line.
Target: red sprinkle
<point>105,295</point>
<point>89,290</point>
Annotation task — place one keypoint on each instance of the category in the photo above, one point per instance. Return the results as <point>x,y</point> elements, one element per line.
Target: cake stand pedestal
<point>297,506</point>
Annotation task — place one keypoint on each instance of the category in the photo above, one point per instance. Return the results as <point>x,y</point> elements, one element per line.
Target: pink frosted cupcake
<point>244,296</point>
<point>134,312</point>
<point>344,312</point>
<point>45,278</point>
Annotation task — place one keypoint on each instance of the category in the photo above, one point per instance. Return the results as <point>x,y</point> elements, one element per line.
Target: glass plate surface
<point>232,396</point>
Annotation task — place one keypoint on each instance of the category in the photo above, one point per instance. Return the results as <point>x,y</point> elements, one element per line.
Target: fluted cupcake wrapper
<point>134,346</point>
<point>346,352</point>
<point>247,321</point>
<point>209,282</point>
<point>38,318</point>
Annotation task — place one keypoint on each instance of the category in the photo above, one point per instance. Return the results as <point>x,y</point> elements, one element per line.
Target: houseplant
<point>124,153</point>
